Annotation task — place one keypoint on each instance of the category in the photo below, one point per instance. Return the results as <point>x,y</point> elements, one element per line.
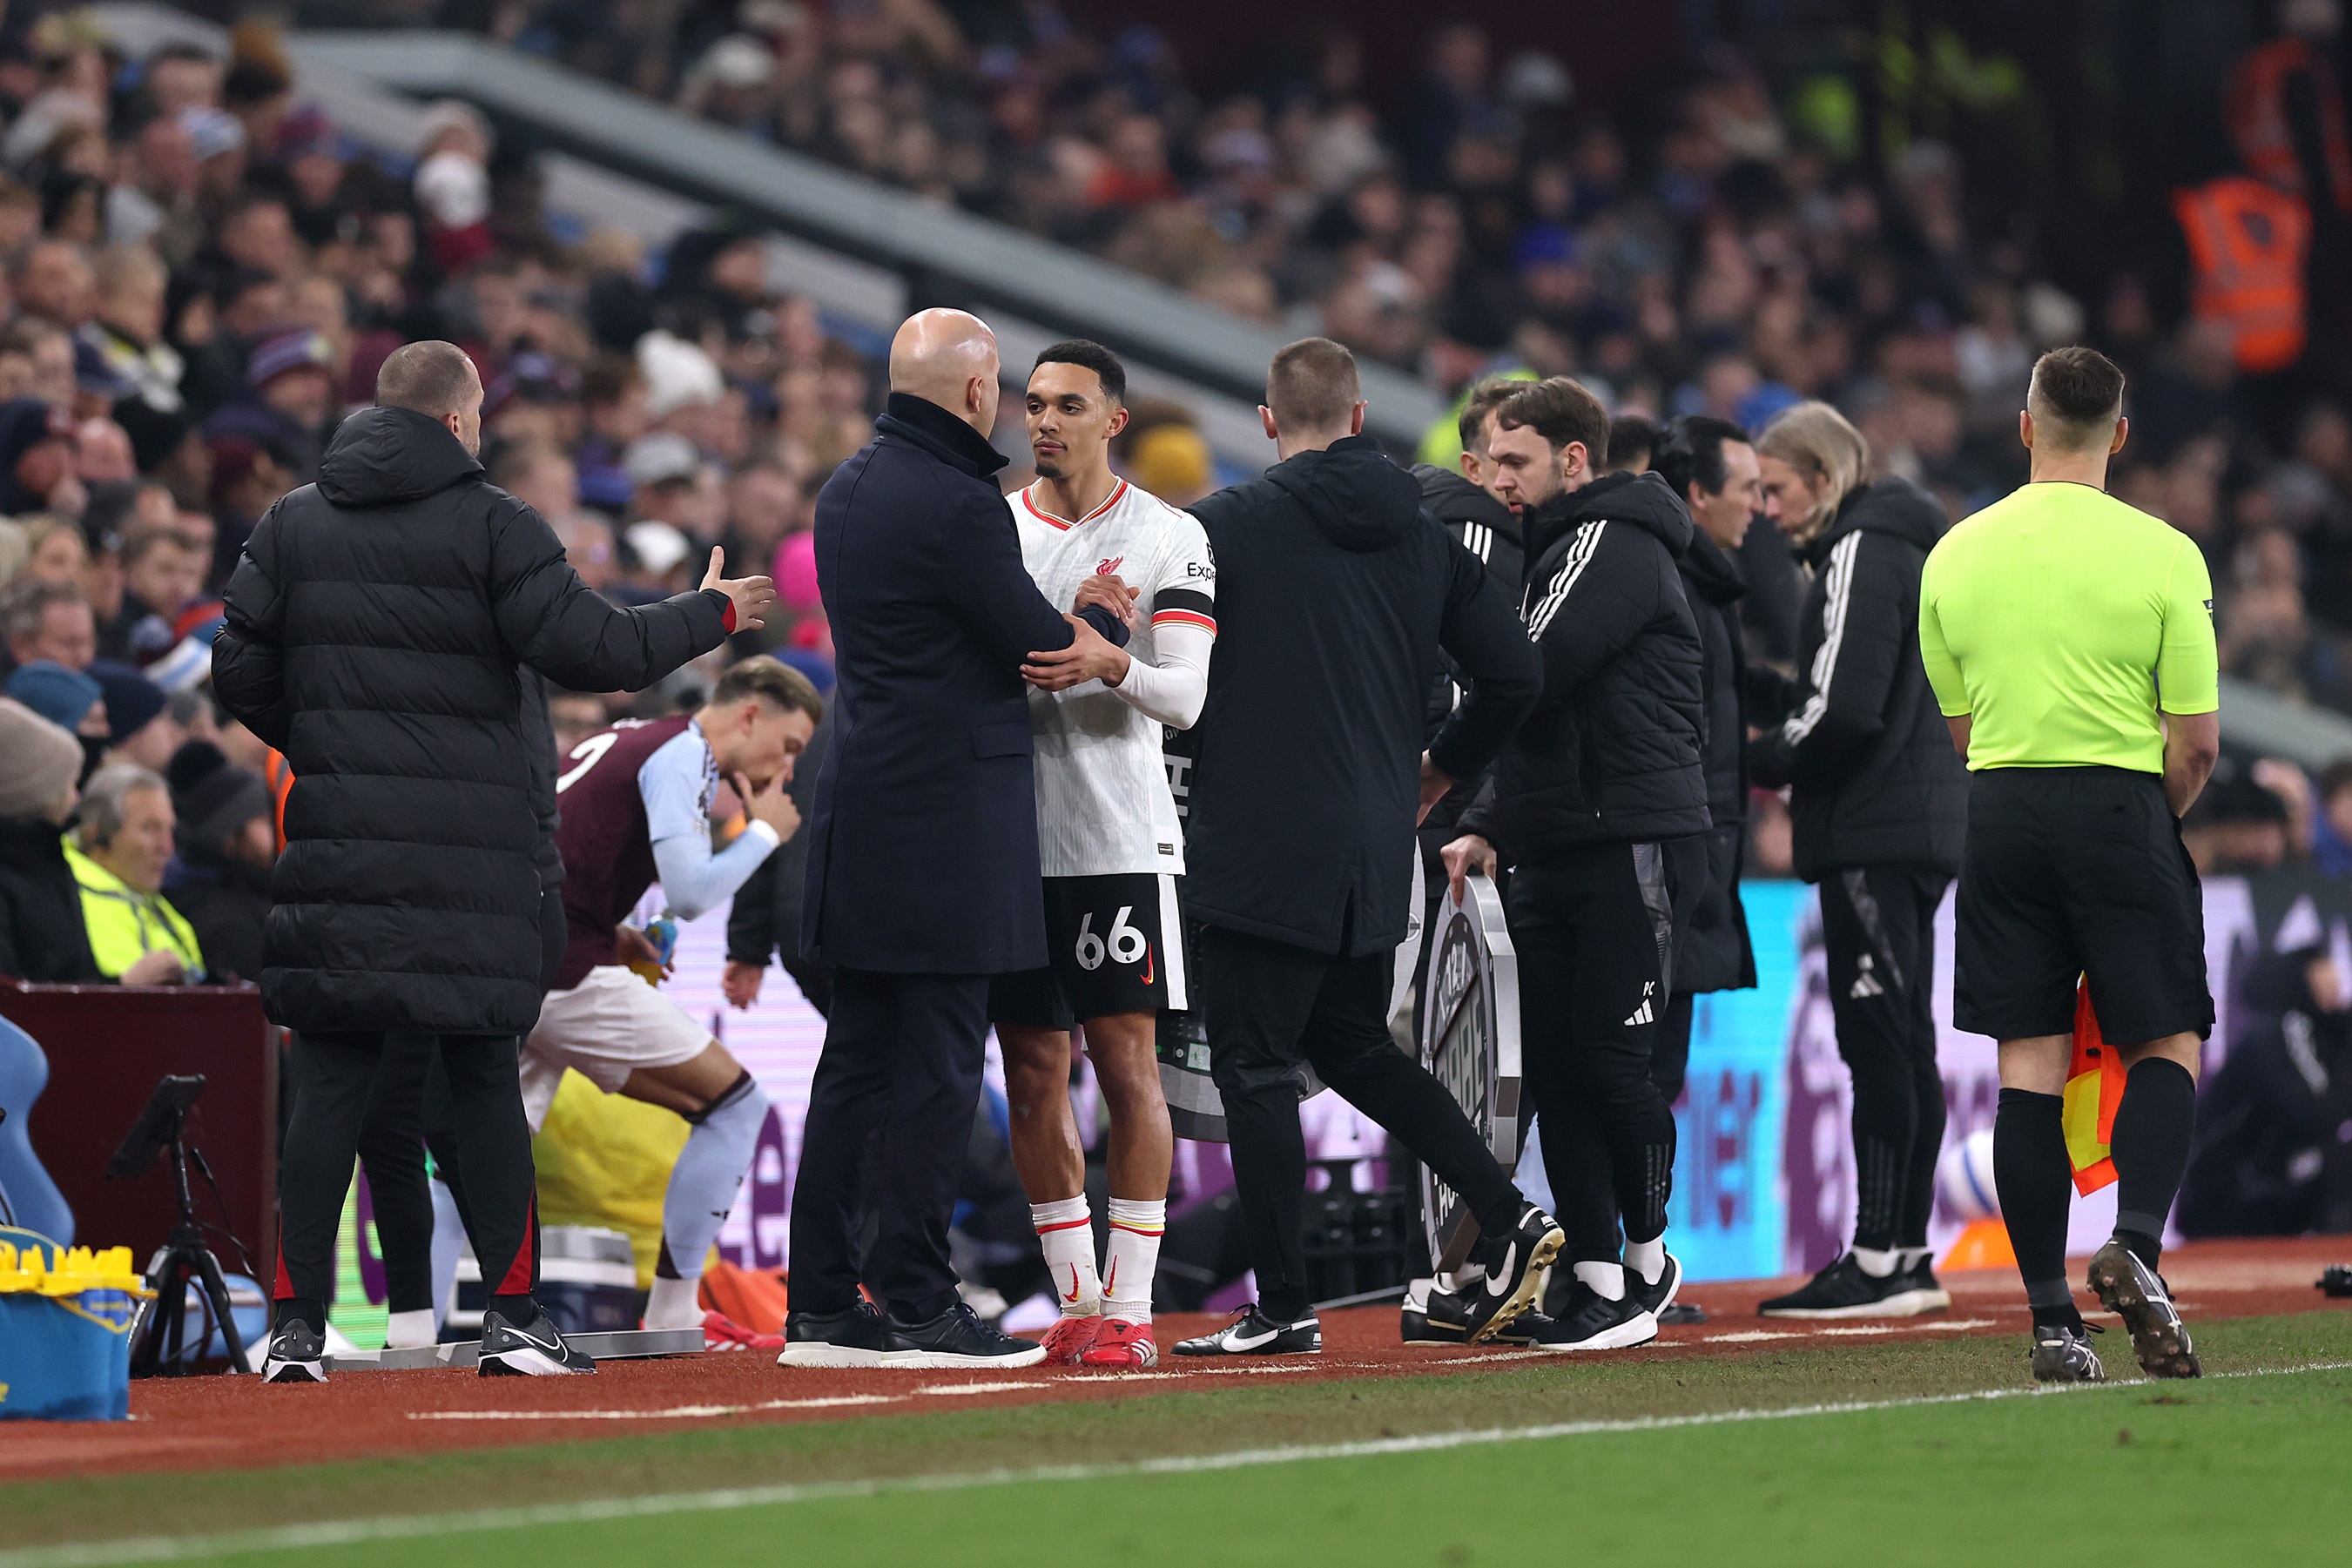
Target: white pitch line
<point>1750,1336</point>
<point>587,1511</point>
<point>674,1413</point>
<point>954,1388</point>
<point>1951,1325</point>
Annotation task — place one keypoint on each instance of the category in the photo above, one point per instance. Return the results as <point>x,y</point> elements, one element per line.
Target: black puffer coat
<point>375,625</point>
<point>1611,754</point>
<point>1875,780</point>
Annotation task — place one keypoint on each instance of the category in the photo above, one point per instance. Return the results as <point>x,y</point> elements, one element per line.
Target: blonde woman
<point>1879,805</point>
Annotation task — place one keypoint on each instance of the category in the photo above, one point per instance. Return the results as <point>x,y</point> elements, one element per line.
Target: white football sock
<point>1606,1279</point>
<point>675,1303</point>
<point>1914,1256</point>
<point>1066,1229</point>
<point>1877,1264</point>
<point>1647,1258</point>
<point>409,1330</point>
<point>1132,1258</point>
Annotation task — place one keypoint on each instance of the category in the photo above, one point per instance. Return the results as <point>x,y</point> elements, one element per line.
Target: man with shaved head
<point>923,872</point>
<point>375,625</point>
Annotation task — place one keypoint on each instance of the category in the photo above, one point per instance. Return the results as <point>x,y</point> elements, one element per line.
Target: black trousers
<point>1269,1006</point>
<point>1595,929</point>
<point>901,1062</point>
<point>1878,928</point>
<point>337,1077</point>
<point>407,1114</point>
<point>1670,1052</point>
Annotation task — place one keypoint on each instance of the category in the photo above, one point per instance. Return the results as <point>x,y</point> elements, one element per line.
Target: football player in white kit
<point>1111,850</point>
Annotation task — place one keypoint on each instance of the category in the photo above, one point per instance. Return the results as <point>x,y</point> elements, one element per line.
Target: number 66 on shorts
<point>1115,944</point>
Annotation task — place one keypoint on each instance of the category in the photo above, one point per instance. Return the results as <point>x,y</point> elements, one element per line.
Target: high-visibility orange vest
<point>279,774</point>
<point>2249,243</point>
<point>2254,106</point>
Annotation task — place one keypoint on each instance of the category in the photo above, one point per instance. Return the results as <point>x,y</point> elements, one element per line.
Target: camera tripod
<point>158,1334</point>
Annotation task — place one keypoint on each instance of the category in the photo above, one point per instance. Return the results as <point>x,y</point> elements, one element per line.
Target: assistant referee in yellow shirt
<point>2070,641</point>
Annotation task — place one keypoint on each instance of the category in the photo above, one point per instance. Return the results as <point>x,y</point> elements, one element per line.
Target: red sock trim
<point>1063,1225</point>
<point>282,1290</point>
<point>518,1272</point>
<point>1135,1230</point>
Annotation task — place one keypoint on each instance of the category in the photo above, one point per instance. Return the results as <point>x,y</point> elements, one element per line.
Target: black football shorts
<point>1114,945</point>
<point>2072,873</point>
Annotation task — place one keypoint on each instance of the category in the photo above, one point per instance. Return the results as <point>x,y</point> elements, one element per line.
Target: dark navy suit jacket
<point>923,845</point>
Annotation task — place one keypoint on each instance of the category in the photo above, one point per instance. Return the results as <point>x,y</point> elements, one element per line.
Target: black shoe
<point>534,1350</point>
<point>1252,1333</point>
<point>1515,1264</point>
<point>1654,1299</point>
<point>1844,1290</point>
<point>2137,1294</point>
<point>297,1354</point>
<point>2063,1355</point>
<point>1591,1322</point>
<point>1682,1314</point>
<point>1435,1315</point>
<point>1922,1292</point>
<point>853,1338</point>
<point>955,1338</point>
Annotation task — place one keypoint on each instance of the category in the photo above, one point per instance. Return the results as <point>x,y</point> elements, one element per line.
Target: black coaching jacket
<point>1611,754</point>
<point>1489,530</point>
<point>376,622</point>
<point>1336,592</point>
<point>1874,778</point>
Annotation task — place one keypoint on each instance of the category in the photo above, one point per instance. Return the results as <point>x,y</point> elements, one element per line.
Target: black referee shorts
<point>2072,872</point>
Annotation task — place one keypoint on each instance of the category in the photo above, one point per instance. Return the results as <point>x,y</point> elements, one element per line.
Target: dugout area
<point>1744,1436</point>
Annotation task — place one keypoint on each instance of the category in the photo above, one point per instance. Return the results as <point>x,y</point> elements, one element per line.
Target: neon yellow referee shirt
<point>2061,620</point>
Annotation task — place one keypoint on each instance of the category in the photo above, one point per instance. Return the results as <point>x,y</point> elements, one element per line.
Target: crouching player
<point>636,806</point>
<point>1110,851</point>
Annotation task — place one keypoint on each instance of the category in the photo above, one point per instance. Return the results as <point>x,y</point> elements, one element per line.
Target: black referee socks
<point>2150,1145</point>
<point>2034,1177</point>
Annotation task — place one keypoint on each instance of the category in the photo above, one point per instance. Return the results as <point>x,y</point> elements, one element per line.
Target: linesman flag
<point>2095,1087</point>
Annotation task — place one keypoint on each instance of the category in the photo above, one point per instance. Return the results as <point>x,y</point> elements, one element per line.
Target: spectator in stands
<point>41,936</point>
<point>220,876</point>
<point>118,855</point>
<point>291,375</point>
<point>163,570</point>
<point>69,699</point>
<point>51,620</point>
<point>140,727</point>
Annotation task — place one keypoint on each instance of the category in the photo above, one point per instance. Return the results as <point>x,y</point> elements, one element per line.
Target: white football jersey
<point>1103,805</point>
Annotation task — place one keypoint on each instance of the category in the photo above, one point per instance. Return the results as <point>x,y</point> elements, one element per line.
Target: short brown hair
<point>144,542</point>
<point>430,377</point>
<point>1312,386</point>
<point>1483,398</point>
<point>774,683</point>
<point>2076,393</point>
<point>1560,410</point>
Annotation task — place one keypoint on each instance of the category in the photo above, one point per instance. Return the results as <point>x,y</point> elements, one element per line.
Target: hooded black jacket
<point>1489,530</point>
<point>1875,778</point>
<point>1335,593</point>
<point>375,626</point>
<point>1714,953</point>
<point>1612,755</point>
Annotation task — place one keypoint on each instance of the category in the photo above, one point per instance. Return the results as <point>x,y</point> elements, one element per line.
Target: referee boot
<point>2137,1294</point>
<point>534,1348</point>
<point>856,1337</point>
<point>2062,1354</point>
<point>1517,1262</point>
